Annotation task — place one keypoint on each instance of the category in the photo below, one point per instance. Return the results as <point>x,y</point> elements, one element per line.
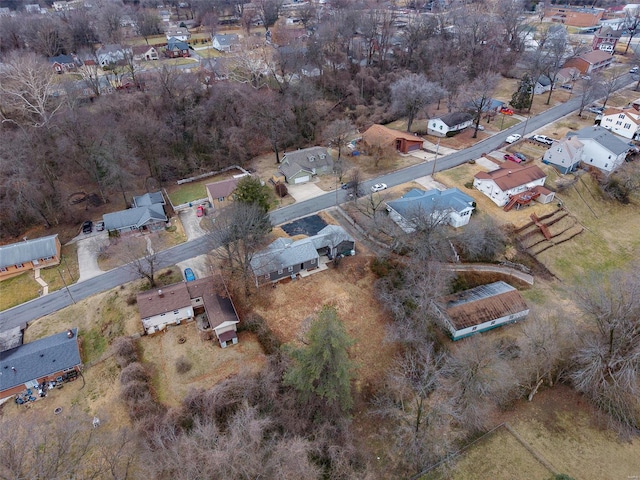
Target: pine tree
<point>522,98</point>
<point>251,190</point>
<point>323,368</point>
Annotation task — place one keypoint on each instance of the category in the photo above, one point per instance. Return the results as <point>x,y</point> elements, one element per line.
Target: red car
<point>506,111</point>
<point>512,158</point>
<point>200,211</point>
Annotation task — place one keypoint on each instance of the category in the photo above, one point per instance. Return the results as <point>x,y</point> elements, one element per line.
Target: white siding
<point>151,324</point>
<point>465,332</point>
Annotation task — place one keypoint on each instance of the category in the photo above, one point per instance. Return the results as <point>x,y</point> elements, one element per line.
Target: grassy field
<point>17,290</point>
<point>68,267</point>
<point>189,192</point>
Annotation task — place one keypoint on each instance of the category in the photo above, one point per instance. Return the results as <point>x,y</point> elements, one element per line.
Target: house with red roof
<point>509,180</point>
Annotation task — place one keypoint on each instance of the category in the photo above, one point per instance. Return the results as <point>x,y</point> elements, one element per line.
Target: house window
<point>289,269</point>
<point>560,149</point>
<point>434,124</point>
<point>618,122</point>
<point>621,115</point>
<point>280,272</point>
<point>19,265</point>
<point>176,312</point>
<point>440,127</point>
<point>313,260</point>
<point>474,329</point>
<point>627,125</point>
<point>266,277</point>
<point>493,323</point>
<point>606,165</point>
<point>3,269</point>
<point>221,199</point>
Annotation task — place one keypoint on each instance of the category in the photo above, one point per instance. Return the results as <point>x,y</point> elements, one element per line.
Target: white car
<point>543,139</point>
<point>513,138</point>
<point>378,187</point>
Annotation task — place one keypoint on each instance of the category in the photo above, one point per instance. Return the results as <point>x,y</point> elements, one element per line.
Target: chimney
<point>69,333</point>
<point>509,172</point>
<point>160,294</point>
<point>14,369</point>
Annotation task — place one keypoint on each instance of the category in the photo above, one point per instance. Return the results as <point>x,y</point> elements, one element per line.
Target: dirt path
<point>487,267</point>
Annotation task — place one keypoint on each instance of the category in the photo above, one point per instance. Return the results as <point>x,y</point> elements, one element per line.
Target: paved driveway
<point>88,251</point>
<point>304,191</point>
<point>191,223</point>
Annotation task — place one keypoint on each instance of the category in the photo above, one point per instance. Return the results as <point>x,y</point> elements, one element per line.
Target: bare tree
<point>27,85</point>
<point>148,24</point>
<point>337,133</point>
<point>611,81</point>
<point>46,35</point>
<point>591,89</point>
<point>479,93</point>
<point>269,12</point>
<point>510,15</point>
<point>631,23</point>
<point>484,241</point>
<point>410,94</point>
<point>607,362</point>
<point>140,259</point>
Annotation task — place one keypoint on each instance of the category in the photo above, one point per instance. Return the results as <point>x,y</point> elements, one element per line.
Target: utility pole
<point>65,285</point>
<point>435,158</point>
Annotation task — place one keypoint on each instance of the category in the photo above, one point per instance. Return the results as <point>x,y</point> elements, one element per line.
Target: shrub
<point>281,190</point>
<point>134,372</point>
<point>125,351</point>
<point>268,340</point>
<point>131,300</point>
<point>183,365</point>
<point>134,391</point>
<point>617,190</point>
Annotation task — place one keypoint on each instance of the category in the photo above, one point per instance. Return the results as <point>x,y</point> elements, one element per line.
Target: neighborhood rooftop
<point>512,176</point>
<point>28,250</point>
<point>147,199</point>
<point>416,202</point>
<point>38,359</point>
<point>133,217</point>
<point>165,299</point>
<point>604,137</point>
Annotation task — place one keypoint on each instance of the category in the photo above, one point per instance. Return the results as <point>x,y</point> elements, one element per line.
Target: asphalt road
<point>62,298</point>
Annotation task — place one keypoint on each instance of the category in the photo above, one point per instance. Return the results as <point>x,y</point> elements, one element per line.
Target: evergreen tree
<point>250,190</point>
<point>522,98</point>
<point>323,368</point>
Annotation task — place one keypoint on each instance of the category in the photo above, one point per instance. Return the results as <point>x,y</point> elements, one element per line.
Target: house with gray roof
<point>285,257</point>
<point>225,42</point>
<point>111,54</point>
<point>152,198</point>
<point>149,218</point>
<point>177,48</point>
<point>450,122</point>
<point>602,149</point>
<point>564,155</point>
<point>17,258</point>
<point>44,360</point>
<point>302,165</point>
<point>480,309</point>
<point>434,207</point>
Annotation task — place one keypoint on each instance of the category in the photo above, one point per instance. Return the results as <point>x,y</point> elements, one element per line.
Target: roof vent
<point>70,333</point>
<point>509,172</point>
<point>160,294</point>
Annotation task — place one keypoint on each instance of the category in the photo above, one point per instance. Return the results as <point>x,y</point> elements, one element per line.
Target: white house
<point>543,84</point>
<point>449,206</point>
<point>481,308</point>
<point>602,149</point>
<point>451,122</point>
<point>510,179</point>
<point>111,54</point>
<point>622,121</point>
<point>225,42</point>
<point>564,155</point>
<point>170,305</point>
<point>179,33</point>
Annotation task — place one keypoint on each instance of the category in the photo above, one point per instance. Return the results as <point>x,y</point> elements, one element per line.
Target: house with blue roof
<point>447,207</point>
<point>148,218</point>
<point>152,198</point>
<point>17,258</point>
<point>602,149</point>
<point>286,258</point>
<point>49,359</point>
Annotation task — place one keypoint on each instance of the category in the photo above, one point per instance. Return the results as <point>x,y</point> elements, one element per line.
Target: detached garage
<point>379,136</point>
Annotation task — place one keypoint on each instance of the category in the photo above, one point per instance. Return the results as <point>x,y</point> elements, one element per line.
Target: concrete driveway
<point>304,191</point>
<point>88,251</point>
<point>201,266</point>
<point>191,223</point>
<point>429,183</point>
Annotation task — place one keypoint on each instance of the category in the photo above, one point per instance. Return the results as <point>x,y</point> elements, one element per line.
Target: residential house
<point>216,308</point>
<point>148,199</point>
<point>449,206</point>
<point>622,121</point>
<point>226,42</point>
<point>6,12</point>
<point>179,33</point>
<point>216,69</point>
<point>34,8</point>
<point>64,63</point>
<point>508,180</point>
<point>591,62</point>
<point>112,54</point>
<point>150,218</point>
<point>49,359</point>
<point>567,75</point>
<point>564,155</point>
<point>605,39</point>
<point>17,258</point>
<point>543,84</point>
<point>480,309</point>
<point>144,53</point>
<point>219,192</point>
<point>301,165</point>
<point>488,105</point>
<point>602,149</point>
<point>286,258</point>
<point>450,122</point>
<point>186,301</point>
<point>165,16</point>
<point>381,137</point>
<point>177,48</point>
<point>574,16</point>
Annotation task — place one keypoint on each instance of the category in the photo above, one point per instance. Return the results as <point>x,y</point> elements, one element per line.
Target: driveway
<point>201,266</point>
<point>191,223</point>
<point>304,191</point>
<point>88,251</point>
<point>429,183</point>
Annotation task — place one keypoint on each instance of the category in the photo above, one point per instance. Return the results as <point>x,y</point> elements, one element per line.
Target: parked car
<point>506,111</point>
<point>189,276</point>
<point>543,139</point>
<point>200,211</point>
<point>481,128</point>
<point>87,227</point>
<point>99,226</point>
<point>378,187</point>
<point>596,110</point>
<point>512,158</point>
<point>567,86</point>
<point>521,156</point>
<point>513,138</point>
<point>634,69</point>
<point>586,77</point>
<point>348,185</point>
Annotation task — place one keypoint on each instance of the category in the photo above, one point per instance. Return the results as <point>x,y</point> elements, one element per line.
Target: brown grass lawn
<point>210,363</point>
<point>563,429</point>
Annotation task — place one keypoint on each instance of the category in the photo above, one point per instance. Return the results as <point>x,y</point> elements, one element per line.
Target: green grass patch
<point>180,61</point>
<point>209,53</point>
<point>99,337</point>
<point>17,290</point>
<point>94,344</point>
<point>416,126</point>
<point>189,192</point>
<point>505,122</point>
